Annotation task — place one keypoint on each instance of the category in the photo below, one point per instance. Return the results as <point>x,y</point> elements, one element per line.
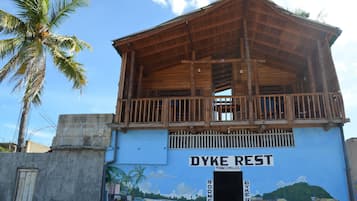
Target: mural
<point>312,170</point>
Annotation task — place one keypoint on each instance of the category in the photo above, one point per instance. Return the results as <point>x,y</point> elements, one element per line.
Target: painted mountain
<point>298,192</point>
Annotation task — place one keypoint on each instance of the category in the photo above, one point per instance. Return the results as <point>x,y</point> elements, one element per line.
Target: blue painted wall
<point>316,159</point>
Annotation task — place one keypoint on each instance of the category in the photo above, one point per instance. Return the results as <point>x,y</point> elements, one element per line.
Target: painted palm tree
<point>137,175</point>
<point>30,41</point>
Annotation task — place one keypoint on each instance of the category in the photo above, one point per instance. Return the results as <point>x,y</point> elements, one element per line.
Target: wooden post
<point>130,89</point>
<point>235,74</point>
<point>165,112</point>
<point>331,63</point>
<point>289,104</point>
<point>121,87</point>
<point>192,74</point>
<point>322,65</point>
<point>140,82</point>
<point>208,108</point>
<point>256,79</point>
<point>311,75</point>
<point>249,70</point>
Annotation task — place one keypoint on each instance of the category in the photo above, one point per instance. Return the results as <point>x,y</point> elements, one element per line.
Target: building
<point>73,170</point>
<point>236,100</point>
<point>33,147</point>
<point>351,146</point>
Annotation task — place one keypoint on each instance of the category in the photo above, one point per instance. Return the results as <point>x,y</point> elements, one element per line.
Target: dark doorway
<point>228,186</point>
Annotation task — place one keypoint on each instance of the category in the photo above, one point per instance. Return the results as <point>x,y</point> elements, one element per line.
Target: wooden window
<point>25,184</point>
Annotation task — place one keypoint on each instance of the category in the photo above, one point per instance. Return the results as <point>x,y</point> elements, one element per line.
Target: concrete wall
<point>351,146</point>
<point>62,175</point>
<point>83,130</point>
<point>72,171</point>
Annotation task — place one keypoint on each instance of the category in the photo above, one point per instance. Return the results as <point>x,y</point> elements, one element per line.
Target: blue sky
<point>100,23</point>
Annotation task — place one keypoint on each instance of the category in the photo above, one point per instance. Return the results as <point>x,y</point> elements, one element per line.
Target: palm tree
<point>30,41</point>
<point>137,175</point>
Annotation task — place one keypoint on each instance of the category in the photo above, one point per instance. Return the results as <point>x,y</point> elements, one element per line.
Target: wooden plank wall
<point>178,78</point>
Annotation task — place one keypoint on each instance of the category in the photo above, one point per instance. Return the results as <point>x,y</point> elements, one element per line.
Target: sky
<point>100,23</point>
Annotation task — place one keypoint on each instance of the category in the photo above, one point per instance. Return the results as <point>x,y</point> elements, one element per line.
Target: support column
<point>331,63</point>
<point>130,88</point>
<point>121,83</point>
<point>322,64</point>
<point>310,71</point>
<point>235,73</point>
<point>249,70</point>
<point>192,74</point>
<point>140,82</point>
<point>256,79</point>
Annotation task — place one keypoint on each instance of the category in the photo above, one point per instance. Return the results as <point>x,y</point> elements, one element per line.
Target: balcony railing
<point>231,110</point>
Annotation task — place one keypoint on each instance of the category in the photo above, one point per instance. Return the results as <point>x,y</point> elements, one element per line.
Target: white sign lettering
<point>210,190</point>
<point>232,161</point>
<point>246,190</point>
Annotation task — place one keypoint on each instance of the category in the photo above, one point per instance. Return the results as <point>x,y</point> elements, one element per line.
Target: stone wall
<point>72,171</point>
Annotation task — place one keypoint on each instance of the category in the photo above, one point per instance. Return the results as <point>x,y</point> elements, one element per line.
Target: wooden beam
<point>242,55</point>
<point>121,87</point>
<point>140,82</point>
<point>235,75</point>
<point>256,79</point>
<point>272,45</point>
<point>168,26</point>
<point>311,75</point>
<point>130,89</point>
<point>291,19</point>
<point>249,70</point>
<point>122,75</point>
<point>192,74</point>
<point>331,63</point>
<point>222,61</point>
<point>292,28</point>
<point>322,64</point>
<point>131,78</point>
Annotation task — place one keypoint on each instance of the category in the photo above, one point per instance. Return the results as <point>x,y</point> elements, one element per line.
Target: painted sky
<point>100,23</point>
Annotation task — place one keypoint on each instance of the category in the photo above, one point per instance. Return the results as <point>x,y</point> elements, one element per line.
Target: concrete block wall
<point>83,130</point>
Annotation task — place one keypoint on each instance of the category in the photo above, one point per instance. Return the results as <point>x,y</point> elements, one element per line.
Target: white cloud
<point>300,179</point>
<point>180,6</point>
<point>199,3</point>
<point>183,190</point>
<point>159,174</point>
<point>160,2</point>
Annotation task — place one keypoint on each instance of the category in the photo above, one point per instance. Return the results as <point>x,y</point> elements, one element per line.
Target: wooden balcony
<point>284,110</point>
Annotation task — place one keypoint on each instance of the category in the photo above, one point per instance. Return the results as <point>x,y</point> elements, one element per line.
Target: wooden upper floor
<point>274,68</point>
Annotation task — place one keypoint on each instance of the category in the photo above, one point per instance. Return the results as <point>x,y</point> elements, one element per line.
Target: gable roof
<point>215,31</point>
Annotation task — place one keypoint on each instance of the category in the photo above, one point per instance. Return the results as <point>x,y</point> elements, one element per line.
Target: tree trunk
<point>23,126</point>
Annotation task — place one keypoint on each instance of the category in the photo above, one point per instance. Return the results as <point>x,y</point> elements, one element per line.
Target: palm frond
<point>9,46</point>
<point>70,68</point>
<point>45,6</point>
<point>9,66</point>
<point>63,9</point>
<point>10,23</point>
<point>29,10</point>
<point>32,73</point>
<point>34,85</point>
<point>71,43</point>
